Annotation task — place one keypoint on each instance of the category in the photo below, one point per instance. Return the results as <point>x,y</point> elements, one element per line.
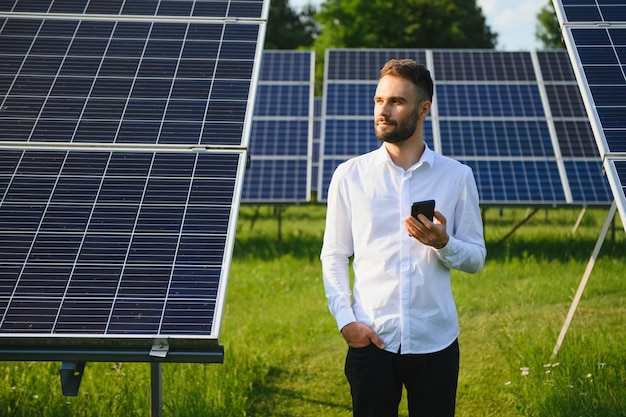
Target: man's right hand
<point>359,335</point>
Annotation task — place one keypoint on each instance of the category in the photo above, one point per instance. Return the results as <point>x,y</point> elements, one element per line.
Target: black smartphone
<point>427,208</point>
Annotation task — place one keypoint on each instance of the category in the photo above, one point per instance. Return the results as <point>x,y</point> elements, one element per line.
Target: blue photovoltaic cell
<point>358,64</point>
<point>587,181</point>
<point>595,10</point>
<point>317,134</point>
<point>280,139</point>
<point>525,182</point>
<point>490,100</point>
<point>184,8</point>
<point>495,138</point>
<point>482,65</point>
<point>130,240</point>
<point>602,55</point>
<point>275,180</point>
<point>125,82</point>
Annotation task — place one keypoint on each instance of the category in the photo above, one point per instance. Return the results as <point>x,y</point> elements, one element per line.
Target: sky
<point>513,20</point>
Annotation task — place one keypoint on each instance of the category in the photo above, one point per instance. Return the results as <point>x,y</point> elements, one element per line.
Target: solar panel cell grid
<point>353,64</point>
<point>603,68</point>
<point>89,242</point>
<point>280,138</point>
<point>590,183</point>
<point>555,66</point>
<point>491,100</point>
<point>528,181</point>
<point>200,8</point>
<point>495,138</point>
<point>482,66</point>
<point>595,11</point>
<point>104,86</point>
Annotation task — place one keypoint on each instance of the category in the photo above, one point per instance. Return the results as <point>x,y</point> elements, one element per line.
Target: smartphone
<point>427,208</point>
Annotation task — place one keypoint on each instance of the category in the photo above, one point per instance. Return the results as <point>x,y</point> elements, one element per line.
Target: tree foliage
<point>547,30</point>
<point>287,29</point>
<point>403,24</point>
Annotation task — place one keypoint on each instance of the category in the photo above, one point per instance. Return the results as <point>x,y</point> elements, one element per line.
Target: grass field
<point>284,356</point>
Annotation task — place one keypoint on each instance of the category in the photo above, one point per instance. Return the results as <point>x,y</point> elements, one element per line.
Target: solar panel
<point>124,127</point>
<point>282,129</point>
<point>595,36</point>
<point>492,110</point>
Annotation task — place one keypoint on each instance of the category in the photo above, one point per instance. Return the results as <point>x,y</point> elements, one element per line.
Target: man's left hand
<point>429,233</point>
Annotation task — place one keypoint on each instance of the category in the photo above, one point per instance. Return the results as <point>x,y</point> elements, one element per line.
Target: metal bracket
<point>160,348</point>
<point>71,375</point>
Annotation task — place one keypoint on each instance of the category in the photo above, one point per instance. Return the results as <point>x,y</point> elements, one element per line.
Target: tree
<point>288,30</point>
<point>403,24</point>
<point>548,31</point>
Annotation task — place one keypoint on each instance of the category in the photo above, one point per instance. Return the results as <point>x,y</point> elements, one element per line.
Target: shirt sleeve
<point>466,249</point>
<point>335,255</point>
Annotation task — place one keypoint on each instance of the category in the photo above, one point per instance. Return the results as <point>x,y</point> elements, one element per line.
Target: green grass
<point>284,355</point>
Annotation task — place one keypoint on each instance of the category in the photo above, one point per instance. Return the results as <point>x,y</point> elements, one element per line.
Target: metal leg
<point>156,389</point>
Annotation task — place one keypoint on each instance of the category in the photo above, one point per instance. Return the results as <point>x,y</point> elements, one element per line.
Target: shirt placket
<point>405,263</point>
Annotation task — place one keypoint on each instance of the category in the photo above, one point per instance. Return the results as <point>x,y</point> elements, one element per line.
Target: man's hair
<point>412,71</point>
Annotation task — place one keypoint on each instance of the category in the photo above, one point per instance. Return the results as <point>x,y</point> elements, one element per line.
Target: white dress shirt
<point>401,287</point>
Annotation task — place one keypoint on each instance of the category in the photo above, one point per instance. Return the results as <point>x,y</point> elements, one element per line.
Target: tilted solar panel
<point>282,129</point>
<point>124,127</point>
<point>595,36</point>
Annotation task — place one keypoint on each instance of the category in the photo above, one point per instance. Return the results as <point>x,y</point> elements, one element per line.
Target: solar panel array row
<point>516,118</point>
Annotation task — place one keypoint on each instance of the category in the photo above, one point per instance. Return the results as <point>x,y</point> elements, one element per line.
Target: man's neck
<point>405,154</point>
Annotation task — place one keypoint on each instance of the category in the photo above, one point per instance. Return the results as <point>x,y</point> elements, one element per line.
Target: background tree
<point>287,29</point>
<point>548,31</point>
<point>403,24</point>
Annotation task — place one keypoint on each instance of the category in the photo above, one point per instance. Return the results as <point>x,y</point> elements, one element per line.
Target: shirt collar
<point>428,157</point>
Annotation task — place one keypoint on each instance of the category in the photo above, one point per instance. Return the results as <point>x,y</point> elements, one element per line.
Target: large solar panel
<point>124,127</point>
<point>492,110</point>
<point>282,130</point>
<point>595,36</point>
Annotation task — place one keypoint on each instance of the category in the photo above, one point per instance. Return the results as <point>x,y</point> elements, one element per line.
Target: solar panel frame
<point>71,187</point>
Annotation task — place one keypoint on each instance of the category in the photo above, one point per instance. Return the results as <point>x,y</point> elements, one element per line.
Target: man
<point>399,318</point>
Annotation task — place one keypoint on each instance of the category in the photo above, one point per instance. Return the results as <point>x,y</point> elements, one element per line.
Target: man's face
<point>396,109</point>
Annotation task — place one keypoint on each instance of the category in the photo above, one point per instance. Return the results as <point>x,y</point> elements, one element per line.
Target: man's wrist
<point>443,244</point>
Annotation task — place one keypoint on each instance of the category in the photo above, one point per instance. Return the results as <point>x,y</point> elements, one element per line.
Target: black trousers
<point>376,379</point>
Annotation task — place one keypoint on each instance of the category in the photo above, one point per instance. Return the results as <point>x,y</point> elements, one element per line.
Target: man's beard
<point>401,131</point>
